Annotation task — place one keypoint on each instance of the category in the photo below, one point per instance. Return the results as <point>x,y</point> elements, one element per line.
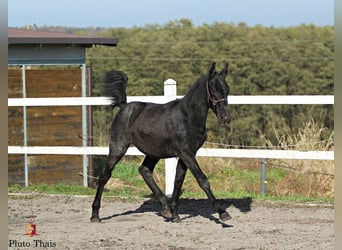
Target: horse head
<point>217,91</point>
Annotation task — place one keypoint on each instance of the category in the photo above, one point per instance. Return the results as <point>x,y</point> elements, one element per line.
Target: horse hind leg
<point>114,157</point>
<point>146,171</point>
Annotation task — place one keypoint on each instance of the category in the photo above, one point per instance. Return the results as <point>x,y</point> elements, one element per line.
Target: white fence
<point>170,90</point>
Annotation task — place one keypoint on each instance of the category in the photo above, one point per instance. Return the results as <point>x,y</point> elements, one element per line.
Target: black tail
<point>115,86</point>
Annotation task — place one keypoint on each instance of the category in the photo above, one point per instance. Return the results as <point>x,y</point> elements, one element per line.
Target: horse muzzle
<point>224,118</point>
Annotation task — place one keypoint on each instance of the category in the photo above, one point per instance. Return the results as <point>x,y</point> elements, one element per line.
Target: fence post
<point>170,93</point>
<point>263,176</point>
<point>84,126</point>
<point>23,72</point>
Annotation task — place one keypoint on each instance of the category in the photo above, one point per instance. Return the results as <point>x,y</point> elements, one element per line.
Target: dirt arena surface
<point>62,222</point>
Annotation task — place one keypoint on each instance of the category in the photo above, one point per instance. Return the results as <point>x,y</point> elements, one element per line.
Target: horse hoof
<point>166,213</point>
<point>225,216</point>
<point>176,219</point>
<point>95,220</point>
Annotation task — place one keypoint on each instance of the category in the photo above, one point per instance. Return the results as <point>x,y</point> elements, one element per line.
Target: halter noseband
<point>213,101</point>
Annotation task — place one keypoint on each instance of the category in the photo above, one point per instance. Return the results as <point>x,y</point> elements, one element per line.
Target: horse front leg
<point>146,171</point>
<point>179,179</point>
<point>203,182</point>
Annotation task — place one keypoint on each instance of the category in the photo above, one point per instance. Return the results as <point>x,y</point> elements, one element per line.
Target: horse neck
<point>197,99</point>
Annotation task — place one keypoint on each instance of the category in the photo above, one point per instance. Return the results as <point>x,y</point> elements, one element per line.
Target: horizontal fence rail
<point>205,152</point>
<point>261,99</point>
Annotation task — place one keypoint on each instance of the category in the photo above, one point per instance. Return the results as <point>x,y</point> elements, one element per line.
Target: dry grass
<point>311,178</point>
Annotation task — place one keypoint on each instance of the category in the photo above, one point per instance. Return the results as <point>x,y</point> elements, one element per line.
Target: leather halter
<point>213,101</point>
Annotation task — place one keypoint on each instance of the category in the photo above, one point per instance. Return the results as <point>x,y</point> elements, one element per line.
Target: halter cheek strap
<point>213,101</point>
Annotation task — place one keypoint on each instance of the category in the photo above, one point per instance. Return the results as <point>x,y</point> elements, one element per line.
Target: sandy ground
<point>62,222</point>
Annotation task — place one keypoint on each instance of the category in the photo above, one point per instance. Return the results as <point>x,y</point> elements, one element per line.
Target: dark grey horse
<point>174,129</point>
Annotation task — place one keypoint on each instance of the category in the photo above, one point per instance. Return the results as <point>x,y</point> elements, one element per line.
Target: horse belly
<point>155,145</point>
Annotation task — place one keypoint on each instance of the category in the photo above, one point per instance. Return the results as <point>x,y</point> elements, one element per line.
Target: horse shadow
<point>189,208</point>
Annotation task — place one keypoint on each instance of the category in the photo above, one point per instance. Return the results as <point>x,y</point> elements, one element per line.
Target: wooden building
<point>46,64</point>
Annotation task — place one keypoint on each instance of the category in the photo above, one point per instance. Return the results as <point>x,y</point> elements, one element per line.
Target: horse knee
<point>204,183</point>
<point>104,177</point>
<point>143,170</point>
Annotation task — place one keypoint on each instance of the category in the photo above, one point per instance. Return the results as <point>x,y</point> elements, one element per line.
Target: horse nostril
<point>227,119</point>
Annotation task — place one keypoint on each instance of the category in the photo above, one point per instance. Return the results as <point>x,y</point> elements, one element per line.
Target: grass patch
<point>227,181</point>
<point>53,189</point>
<point>128,193</point>
<point>62,189</point>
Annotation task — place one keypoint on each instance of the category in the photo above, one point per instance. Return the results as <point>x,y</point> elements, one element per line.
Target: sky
<point>129,13</point>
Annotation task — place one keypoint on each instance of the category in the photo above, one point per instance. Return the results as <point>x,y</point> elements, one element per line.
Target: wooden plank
<point>54,82</point>
<point>54,169</point>
<point>15,126</point>
<point>16,171</point>
<point>54,126</point>
<point>15,83</point>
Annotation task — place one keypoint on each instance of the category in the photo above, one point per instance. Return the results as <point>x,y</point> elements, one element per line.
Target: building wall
<point>46,126</point>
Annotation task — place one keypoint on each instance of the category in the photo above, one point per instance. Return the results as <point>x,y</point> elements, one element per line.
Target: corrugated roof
<point>26,36</point>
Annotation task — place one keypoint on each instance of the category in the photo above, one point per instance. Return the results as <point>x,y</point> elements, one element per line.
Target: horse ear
<point>225,71</point>
<point>211,70</point>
